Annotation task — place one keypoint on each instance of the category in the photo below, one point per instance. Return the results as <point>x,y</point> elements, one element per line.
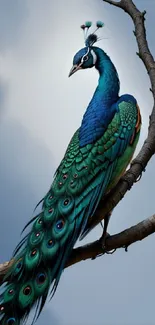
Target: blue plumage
<point>96,157</point>
<point>79,55</point>
<point>96,120</point>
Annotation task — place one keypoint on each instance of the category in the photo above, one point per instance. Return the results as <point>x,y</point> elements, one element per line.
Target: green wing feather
<point>127,125</point>
<point>83,176</point>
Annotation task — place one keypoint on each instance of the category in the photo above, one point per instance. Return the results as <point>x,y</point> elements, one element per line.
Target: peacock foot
<point>104,237</point>
<point>103,240</point>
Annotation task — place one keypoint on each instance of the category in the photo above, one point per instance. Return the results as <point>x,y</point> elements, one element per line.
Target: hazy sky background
<point>40,108</point>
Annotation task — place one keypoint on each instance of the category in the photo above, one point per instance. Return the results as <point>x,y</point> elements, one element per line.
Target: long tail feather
<point>84,175</point>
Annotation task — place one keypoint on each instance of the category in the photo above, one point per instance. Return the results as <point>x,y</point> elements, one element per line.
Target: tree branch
<point>114,3</point>
<point>146,227</point>
<point>92,250</point>
<point>121,240</point>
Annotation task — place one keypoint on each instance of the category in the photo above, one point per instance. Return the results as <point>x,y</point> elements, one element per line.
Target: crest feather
<point>91,38</point>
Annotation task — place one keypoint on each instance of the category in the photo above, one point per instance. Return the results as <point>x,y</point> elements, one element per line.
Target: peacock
<point>97,156</point>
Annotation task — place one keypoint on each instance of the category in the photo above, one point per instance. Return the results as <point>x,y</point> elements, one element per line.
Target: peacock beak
<point>74,69</point>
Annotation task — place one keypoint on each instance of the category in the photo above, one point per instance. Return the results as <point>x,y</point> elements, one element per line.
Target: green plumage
<point>83,176</point>
<point>87,172</point>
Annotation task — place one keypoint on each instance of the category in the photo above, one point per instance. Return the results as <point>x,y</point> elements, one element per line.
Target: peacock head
<point>86,57</point>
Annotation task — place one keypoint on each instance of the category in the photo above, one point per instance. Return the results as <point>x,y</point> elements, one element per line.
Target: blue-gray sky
<point>40,108</point>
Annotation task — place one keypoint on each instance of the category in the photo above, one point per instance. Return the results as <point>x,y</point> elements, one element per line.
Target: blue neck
<point>100,110</point>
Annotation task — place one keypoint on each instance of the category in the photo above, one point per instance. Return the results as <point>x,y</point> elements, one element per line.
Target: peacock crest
<point>91,38</point>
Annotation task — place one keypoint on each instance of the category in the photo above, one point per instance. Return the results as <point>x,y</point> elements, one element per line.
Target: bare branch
<point>121,240</point>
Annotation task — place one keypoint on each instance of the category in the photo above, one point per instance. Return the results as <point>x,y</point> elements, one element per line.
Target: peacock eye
<point>50,243</point>
<point>33,252</point>
<point>27,290</point>
<point>40,221</point>
<point>60,224</point>
<point>66,202</point>
<point>19,266</point>
<point>11,291</point>
<point>11,321</point>
<point>85,58</point>
<point>41,277</point>
<point>1,307</point>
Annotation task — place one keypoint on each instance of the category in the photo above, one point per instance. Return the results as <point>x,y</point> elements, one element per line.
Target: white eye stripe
<point>85,58</point>
<point>82,60</point>
<point>94,56</point>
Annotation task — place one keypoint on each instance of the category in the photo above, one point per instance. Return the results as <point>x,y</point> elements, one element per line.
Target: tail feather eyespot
<point>11,321</point>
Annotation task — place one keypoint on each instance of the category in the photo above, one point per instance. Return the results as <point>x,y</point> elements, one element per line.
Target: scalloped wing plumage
<point>124,148</point>
<point>84,175</point>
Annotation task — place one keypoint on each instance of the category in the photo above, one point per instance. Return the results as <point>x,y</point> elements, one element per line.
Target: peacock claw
<point>103,241</point>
